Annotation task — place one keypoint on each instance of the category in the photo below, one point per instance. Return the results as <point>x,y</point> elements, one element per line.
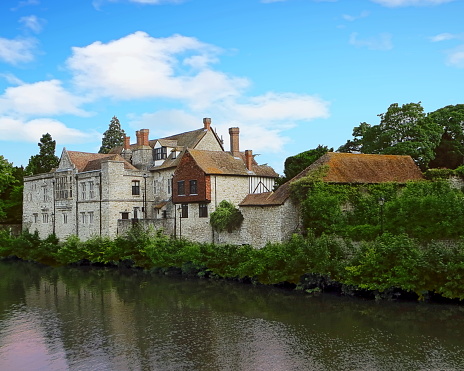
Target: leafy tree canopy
<point>10,190</point>
<point>46,159</point>
<point>450,151</point>
<point>296,164</point>
<point>113,137</point>
<point>403,130</point>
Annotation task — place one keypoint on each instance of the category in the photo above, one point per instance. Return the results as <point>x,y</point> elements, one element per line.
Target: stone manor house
<point>172,183</point>
<point>175,183</point>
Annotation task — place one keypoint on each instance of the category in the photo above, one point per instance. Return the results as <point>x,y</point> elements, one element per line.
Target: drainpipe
<point>54,206</point>
<point>100,202</point>
<point>77,207</point>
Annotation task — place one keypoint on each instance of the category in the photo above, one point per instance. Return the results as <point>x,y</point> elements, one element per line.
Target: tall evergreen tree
<point>46,159</point>
<point>113,137</point>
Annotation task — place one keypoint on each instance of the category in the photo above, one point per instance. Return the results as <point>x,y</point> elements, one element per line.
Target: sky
<point>291,74</point>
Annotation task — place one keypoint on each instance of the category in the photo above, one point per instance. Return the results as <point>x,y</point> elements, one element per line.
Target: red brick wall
<point>186,171</point>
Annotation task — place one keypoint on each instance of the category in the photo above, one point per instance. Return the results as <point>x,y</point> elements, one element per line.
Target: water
<point>84,319</point>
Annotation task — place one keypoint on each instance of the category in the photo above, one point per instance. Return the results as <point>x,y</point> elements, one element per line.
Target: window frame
<point>181,188</point>
<point>202,210</point>
<point>135,187</point>
<point>193,187</point>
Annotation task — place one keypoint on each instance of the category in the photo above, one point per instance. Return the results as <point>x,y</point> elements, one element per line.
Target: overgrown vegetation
<point>387,267</point>
<point>423,210</point>
<point>226,217</point>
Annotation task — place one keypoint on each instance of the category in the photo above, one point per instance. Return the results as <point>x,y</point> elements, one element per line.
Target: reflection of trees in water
<point>133,320</point>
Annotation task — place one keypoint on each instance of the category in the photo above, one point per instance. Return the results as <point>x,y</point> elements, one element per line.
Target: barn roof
<point>348,168</point>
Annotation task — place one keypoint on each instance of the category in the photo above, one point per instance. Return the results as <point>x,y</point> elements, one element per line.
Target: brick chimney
<point>207,123</point>
<point>234,143</point>
<point>144,133</point>
<point>126,143</point>
<point>249,159</point>
<point>139,138</point>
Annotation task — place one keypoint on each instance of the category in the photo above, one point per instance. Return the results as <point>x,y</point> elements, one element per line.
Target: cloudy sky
<point>291,74</point>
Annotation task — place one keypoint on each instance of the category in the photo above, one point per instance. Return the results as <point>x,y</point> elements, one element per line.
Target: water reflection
<point>84,319</point>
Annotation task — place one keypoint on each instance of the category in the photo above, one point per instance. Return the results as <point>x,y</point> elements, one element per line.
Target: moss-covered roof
<point>347,168</point>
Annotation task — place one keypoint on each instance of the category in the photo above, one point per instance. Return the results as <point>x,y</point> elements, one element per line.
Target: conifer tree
<point>46,159</point>
<point>113,137</point>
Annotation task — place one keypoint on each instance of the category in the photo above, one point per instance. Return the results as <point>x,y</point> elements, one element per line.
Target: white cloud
<point>352,18</point>
<point>445,36</point>
<point>33,23</point>
<point>399,3</point>
<point>40,98</point>
<point>17,50</point>
<point>455,57</point>
<point>26,3</point>
<point>381,42</point>
<point>140,66</point>
<point>262,119</point>
<point>11,129</point>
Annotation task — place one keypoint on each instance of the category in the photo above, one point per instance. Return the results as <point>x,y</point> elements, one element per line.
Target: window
<point>184,211</point>
<point>203,210</point>
<point>35,217</point>
<point>136,187</point>
<point>136,212</point>
<point>125,215</point>
<point>169,186</point>
<point>91,190</point>
<point>61,188</point>
<point>65,218</point>
<point>193,187</point>
<point>90,217</point>
<point>83,191</point>
<point>45,218</point>
<point>45,198</point>
<point>155,186</point>
<point>83,218</point>
<point>181,188</point>
<point>174,154</point>
<point>160,153</point>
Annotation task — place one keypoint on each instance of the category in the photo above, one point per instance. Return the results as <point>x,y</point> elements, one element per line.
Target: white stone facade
<point>103,195</point>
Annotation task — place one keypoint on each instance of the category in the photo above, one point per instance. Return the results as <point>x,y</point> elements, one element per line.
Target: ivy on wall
<point>226,217</point>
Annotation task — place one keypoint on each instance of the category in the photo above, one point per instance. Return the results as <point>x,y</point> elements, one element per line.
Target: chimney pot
<point>126,142</point>
<point>249,159</point>
<point>207,123</point>
<point>234,141</point>
<point>144,133</point>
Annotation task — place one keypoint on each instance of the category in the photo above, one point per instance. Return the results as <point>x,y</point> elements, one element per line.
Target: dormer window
<point>160,153</point>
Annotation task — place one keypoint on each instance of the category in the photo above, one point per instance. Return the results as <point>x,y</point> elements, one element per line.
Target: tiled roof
<point>219,162</point>
<point>348,168</point>
<point>362,168</point>
<point>85,161</point>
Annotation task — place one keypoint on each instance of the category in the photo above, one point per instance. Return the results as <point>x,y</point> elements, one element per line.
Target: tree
<point>113,137</point>
<point>10,190</point>
<point>450,152</point>
<point>296,164</point>
<point>46,159</point>
<point>403,130</point>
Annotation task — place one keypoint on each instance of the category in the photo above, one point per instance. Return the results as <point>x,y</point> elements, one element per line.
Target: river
<point>109,319</point>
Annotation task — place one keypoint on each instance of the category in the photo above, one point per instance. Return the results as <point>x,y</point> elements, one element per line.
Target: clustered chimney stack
<point>234,143</point>
<point>207,123</point>
<point>249,159</point>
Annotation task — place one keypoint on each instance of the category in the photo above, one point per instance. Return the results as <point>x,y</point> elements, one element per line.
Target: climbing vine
<point>226,217</point>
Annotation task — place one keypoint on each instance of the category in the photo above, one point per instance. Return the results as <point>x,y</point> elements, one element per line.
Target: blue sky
<point>291,74</point>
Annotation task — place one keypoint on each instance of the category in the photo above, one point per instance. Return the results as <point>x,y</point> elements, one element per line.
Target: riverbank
<point>390,267</point>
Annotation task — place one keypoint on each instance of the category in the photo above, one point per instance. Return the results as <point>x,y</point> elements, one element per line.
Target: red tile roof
<point>85,161</point>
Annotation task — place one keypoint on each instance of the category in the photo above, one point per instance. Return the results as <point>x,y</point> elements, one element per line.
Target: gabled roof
<point>348,168</point>
<point>223,163</point>
<point>85,161</point>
